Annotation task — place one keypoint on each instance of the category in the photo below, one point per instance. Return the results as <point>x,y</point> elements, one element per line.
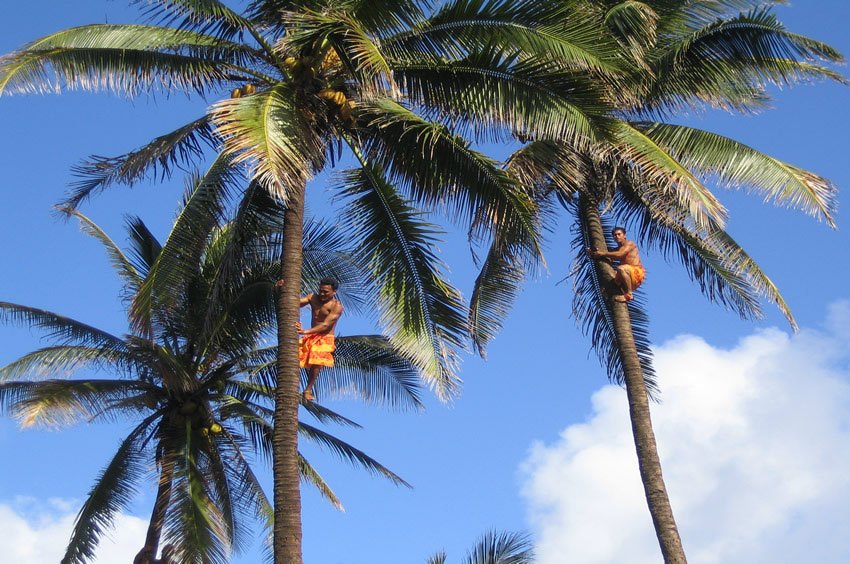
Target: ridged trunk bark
<point>163,497</point>
<point>639,414</point>
<point>287,493</point>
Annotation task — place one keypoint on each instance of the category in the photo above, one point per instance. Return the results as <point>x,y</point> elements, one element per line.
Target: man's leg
<point>312,376</point>
<point>623,279</point>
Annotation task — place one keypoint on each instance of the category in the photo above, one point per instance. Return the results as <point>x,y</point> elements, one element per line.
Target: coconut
<point>326,94</point>
<point>331,59</point>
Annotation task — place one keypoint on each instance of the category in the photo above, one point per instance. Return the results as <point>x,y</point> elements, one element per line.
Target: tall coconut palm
<point>393,82</point>
<point>195,380</point>
<point>651,175</point>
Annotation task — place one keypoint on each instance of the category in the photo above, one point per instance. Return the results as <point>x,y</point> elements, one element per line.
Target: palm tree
<point>392,82</point>
<point>196,379</point>
<point>495,548</point>
<point>649,174</point>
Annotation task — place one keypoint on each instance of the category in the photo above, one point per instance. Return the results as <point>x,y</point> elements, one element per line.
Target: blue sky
<point>536,442</point>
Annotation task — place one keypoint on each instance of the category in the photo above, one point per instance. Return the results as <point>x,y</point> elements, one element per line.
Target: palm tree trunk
<point>287,493</point>
<point>647,451</point>
<point>163,497</point>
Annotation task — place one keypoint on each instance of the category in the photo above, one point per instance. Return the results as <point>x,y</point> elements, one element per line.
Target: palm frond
<point>180,148</point>
<point>743,265</point>
<point>546,166</point>
<point>56,403</point>
<point>678,16</point>
<point>735,264</point>
<point>246,398</point>
<point>724,271</point>
<point>194,525</point>
<point>241,320</point>
<point>502,548</point>
<point>548,30</point>
<point>112,492</point>
<point>383,18</point>
<point>724,60</point>
<point>367,366</point>
<point>119,261</point>
<point>59,329</point>
<point>224,478</point>
<point>736,164</point>
<point>240,265</point>
<point>203,16</point>
<point>442,171</point>
<point>661,169</point>
<point>325,415</point>
<point>179,258</point>
<point>247,486</point>
<point>255,420</point>
<point>260,433</point>
<point>494,293</point>
<point>349,453</point>
<point>266,13</point>
<point>438,558</point>
<point>63,360</point>
<point>635,25</point>
<point>311,476</point>
<point>424,314</point>
<point>132,37</point>
<point>144,246</point>
<point>494,93</point>
<point>123,58</point>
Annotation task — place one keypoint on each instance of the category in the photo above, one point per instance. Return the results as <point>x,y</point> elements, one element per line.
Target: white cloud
<point>37,532</point>
<point>755,448</point>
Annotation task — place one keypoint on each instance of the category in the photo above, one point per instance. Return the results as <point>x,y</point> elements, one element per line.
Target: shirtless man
<point>317,343</point>
<point>630,272</point>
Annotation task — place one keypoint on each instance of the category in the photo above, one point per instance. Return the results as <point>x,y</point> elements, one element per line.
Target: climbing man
<point>317,343</point>
<point>630,272</point>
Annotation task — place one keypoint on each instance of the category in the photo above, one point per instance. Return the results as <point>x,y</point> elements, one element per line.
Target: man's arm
<point>305,300</point>
<point>325,325</point>
<point>617,254</point>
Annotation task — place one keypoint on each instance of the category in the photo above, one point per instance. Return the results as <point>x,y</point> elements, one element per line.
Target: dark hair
<point>329,282</point>
<point>618,228</point>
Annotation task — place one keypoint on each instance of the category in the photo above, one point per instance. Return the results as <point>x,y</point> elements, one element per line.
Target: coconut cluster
<point>312,73</point>
<point>306,69</point>
<point>246,90</point>
<point>343,105</point>
<point>198,417</point>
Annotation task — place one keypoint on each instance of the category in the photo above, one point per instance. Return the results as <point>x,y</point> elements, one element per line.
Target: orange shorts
<point>635,273</point>
<point>316,349</point>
